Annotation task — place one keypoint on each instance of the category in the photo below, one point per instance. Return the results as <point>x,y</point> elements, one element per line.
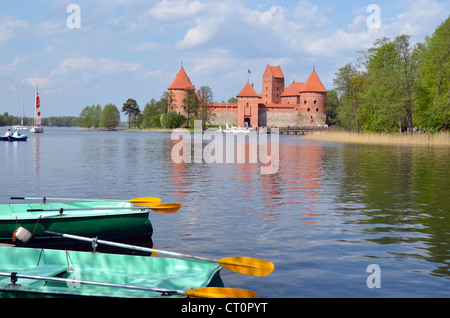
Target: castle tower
<point>313,97</point>
<point>248,100</point>
<point>178,89</point>
<point>273,85</point>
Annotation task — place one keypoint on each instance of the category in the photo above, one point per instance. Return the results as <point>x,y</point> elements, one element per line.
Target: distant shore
<point>419,139</point>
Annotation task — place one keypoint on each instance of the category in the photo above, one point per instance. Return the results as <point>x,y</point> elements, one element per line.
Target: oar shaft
<point>59,199</point>
<point>85,282</point>
<point>86,209</point>
<point>132,247</point>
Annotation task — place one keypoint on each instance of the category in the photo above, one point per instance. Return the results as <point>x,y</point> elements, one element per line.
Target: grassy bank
<point>426,139</point>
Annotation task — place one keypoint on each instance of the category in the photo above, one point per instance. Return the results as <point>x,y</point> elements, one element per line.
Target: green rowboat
<point>117,220</point>
<point>33,272</point>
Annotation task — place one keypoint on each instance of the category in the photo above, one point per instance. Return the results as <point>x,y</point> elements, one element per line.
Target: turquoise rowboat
<point>117,220</point>
<point>33,272</point>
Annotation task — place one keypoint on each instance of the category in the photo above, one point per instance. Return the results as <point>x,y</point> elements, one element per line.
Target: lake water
<point>330,211</point>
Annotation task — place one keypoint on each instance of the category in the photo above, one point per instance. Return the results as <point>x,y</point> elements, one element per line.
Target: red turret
<point>178,89</point>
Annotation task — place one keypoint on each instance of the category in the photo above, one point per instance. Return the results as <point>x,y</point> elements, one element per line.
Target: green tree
<point>434,101</point>
<point>174,120</point>
<point>90,116</point>
<point>149,112</point>
<point>392,78</point>
<point>332,107</point>
<point>96,112</point>
<point>131,108</point>
<point>190,104</point>
<point>110,117</point>
<point>349,85</point>
<point>205,97</point>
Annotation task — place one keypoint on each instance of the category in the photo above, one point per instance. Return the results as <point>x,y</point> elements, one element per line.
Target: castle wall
<point>312,119</point>
<point>277,115</point>
<point>223,113</point>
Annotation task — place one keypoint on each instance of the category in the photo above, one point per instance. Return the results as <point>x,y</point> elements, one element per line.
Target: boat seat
<point>47,270</point>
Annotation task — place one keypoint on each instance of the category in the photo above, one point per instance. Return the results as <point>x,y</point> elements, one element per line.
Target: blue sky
<point>133,48</point>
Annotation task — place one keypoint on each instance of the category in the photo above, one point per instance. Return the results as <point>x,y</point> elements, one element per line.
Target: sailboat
<point>37,115</point>
<point>21,126</point>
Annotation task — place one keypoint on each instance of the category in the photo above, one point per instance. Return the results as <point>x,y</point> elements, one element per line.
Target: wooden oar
<point>238,264</point>
<point>205,292</point>
<point>161,208</point>
<point>141,201</point>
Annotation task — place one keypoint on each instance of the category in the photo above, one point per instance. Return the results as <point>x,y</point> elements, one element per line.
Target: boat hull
<point>117,269</point>
<point>122,225</point>
<point>37,130</point>
<point>12,138</point>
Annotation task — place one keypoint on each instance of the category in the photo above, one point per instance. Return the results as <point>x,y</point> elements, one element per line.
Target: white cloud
<point>84,71</point>
<point>9,26</point>
<point>172,10</point>
<point>99,66</point>
<point>148,46</point>
<point>10,68</point>
<point>269,18</point>
<point>418,17</point>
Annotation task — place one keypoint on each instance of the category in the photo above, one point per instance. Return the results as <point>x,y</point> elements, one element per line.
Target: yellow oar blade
<point>247,265</point>
<point>220,292</point>
<point>146,201</point>
<point>166,207</point>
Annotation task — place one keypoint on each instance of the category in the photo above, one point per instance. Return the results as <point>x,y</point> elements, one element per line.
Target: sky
<point>89,52</point>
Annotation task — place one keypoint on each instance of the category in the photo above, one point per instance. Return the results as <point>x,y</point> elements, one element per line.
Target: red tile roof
<point>293,89</point>
<point>313,84</point>
<point>277,72</point>
<point>181,81</point>
<point>248,91</point>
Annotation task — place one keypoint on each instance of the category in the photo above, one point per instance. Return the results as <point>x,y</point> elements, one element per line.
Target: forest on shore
<point>395,86</point>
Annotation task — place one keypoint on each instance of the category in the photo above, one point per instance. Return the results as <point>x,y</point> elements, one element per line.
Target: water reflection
<point>400,195</point>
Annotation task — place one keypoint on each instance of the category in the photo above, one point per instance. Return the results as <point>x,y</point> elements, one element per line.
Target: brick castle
<point>299,104</point>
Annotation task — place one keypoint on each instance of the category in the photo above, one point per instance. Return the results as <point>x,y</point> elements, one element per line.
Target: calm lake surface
<point>329,212</point>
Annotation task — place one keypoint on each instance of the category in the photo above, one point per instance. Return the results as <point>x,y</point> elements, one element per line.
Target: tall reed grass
<point>426,139</point>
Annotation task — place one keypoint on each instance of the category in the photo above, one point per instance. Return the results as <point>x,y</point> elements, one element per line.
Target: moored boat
<point>38,129</point>
<point>32,272</point>
<point>16,136</point>
<point>119,220</point>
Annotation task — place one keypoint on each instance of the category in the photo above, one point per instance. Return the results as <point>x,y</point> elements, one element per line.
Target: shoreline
<point>406,139</point>
<point>441,139</point>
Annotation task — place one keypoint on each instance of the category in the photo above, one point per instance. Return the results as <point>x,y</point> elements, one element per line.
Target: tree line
<point>156,114</point>
<point>60,121</point>
<point>395,85</point>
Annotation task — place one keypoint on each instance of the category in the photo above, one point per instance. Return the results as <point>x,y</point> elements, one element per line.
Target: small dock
<point>300,130</point>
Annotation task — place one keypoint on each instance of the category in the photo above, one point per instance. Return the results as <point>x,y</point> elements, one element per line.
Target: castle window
<point>308,109</point>
<point>304,102</point>
<point>247,106</point>
<point>317,109</point>
<point>315,102</point>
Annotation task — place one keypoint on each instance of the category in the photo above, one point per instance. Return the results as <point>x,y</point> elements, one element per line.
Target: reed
<point>426,139</point>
